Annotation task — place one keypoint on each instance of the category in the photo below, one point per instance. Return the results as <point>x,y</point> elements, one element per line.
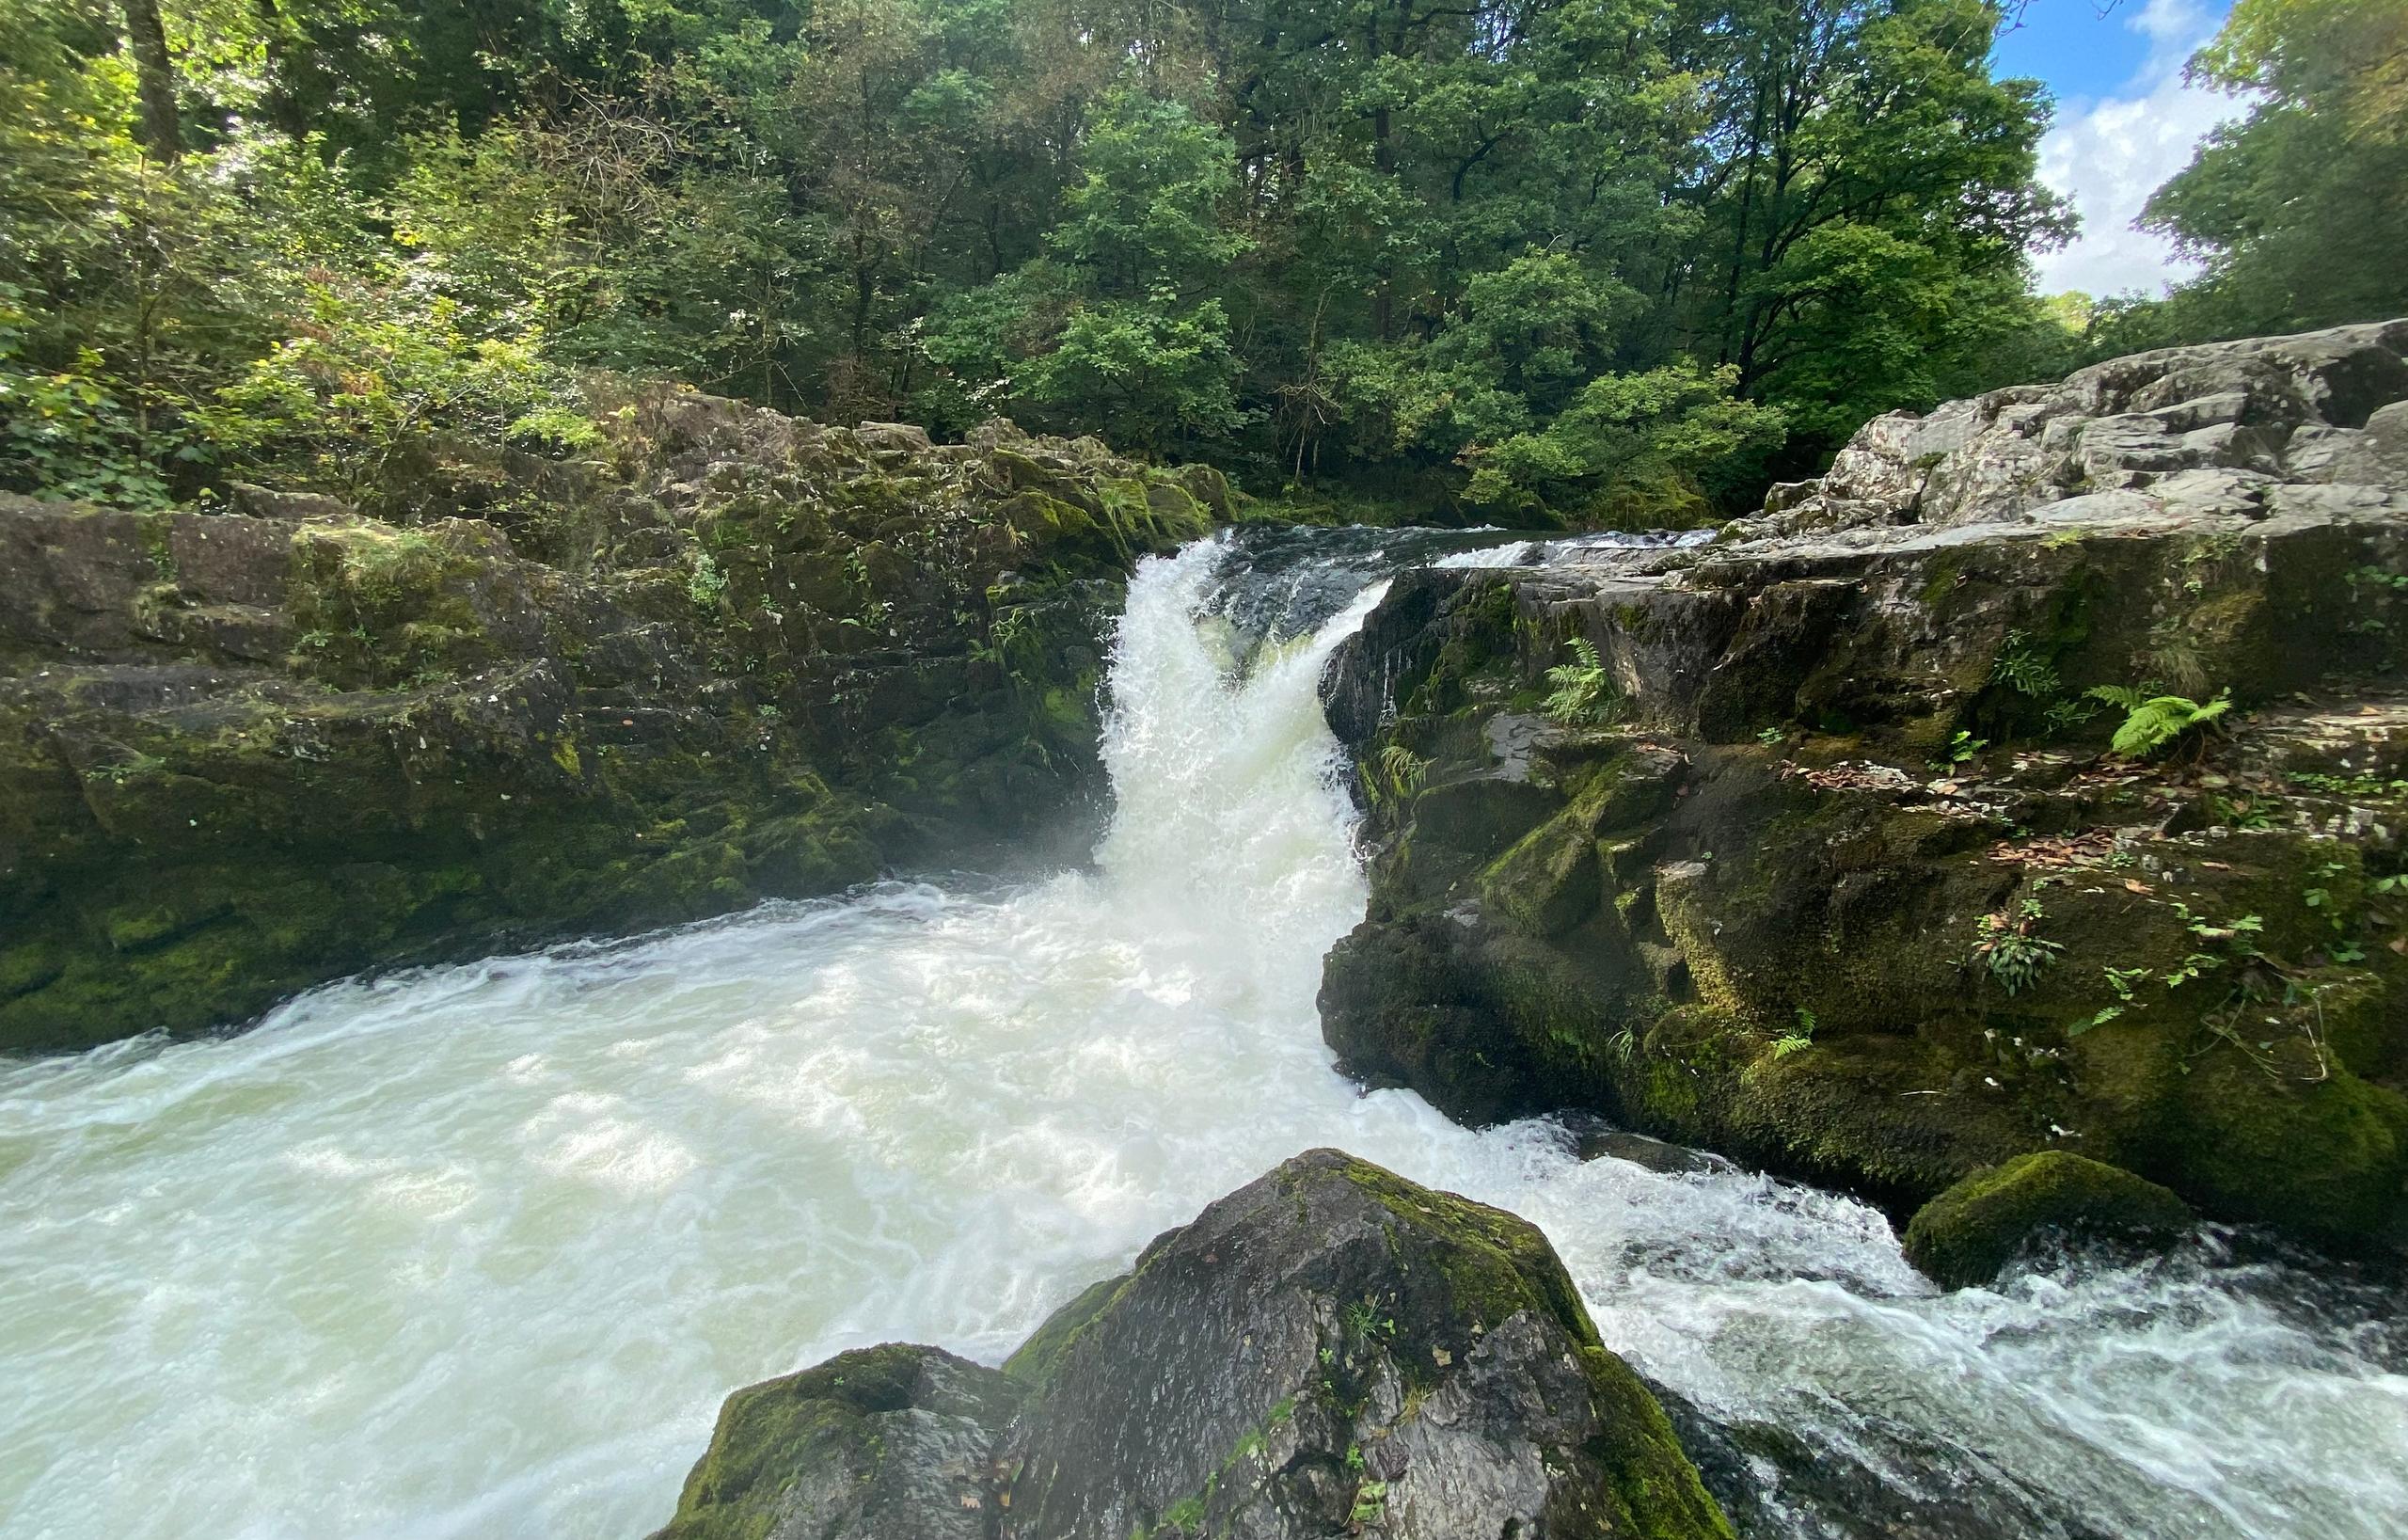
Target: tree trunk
<point>154,78</point>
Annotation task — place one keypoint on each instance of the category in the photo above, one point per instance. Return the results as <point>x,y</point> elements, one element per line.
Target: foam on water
<point>477,1250</point>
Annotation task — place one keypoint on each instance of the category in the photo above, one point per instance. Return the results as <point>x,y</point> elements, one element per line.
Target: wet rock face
<point>1329,1350</point>
<point>1838,875</point>
<point>245,752</point>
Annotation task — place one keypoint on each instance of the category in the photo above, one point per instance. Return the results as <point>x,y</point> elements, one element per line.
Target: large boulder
<point>1843,877</point>
<point>1329,1350</point>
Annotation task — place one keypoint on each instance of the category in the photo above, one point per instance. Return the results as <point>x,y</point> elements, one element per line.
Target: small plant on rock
<point>1799,1041</point>
<point>2024,668</point>
<point>2156,725</point>
<point>1961,750</point>
<point>1397,773</point>
<point>707,583</point>
<point>2004,944</point>
<point>1579,691</point>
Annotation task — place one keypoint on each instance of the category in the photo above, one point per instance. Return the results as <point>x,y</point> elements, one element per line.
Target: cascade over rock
<point>1829,865</point>
<point>245,752</point>
<point>1330,1349</point>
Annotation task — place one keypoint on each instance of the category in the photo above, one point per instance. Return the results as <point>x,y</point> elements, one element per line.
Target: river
<point>477,1250</point>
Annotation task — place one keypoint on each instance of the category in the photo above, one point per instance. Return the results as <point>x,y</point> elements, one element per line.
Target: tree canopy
<point>1586,259</point>
<point>2299,209</point>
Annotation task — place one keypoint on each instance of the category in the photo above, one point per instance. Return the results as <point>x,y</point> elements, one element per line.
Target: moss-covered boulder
<point>1966,1234</point>
<point>872,1444</point>
<point>1844,876</point>
<point>505,700</point>
<point>1329,1350</point>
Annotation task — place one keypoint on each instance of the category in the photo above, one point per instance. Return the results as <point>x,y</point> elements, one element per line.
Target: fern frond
<point>2122,696</point>
<point>2158,722</point>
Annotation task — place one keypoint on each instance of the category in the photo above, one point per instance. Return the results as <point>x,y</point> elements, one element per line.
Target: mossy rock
<point>875,1443</point>
<point>1966,1234</point>
<point>1034,1360</point>
<point>1333,1348</point>
<point>553,721</point>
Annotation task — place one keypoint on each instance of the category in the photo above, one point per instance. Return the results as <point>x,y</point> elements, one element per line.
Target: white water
<point>476,1251</point>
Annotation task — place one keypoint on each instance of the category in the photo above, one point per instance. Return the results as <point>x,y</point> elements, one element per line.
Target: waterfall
<point>477,1250</point>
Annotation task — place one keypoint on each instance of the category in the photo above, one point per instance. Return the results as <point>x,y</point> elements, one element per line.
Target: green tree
<point>2300,209</point>
<point>1118,328</point>
<point>1870,192</point>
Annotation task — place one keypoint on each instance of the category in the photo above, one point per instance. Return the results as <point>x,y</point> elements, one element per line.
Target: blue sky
<point>2125,122</point>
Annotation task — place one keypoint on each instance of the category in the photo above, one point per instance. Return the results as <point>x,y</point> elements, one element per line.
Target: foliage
<point>1583,274</point>
<point>2299,209</point>
<point>1396,773</point>
<point>2023,667</point>
<point>1601,262</point>
<point>371,374</point>
<point>2006,945</point>
<point>1580,692</point>
<point>1962,748</point>
<point>2155,725</point>
<point>1632,451</point>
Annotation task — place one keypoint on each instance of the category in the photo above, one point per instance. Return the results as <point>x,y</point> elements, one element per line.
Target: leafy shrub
<point>372,371</point>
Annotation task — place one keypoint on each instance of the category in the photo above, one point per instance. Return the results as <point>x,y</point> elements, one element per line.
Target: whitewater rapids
<point>478,1250</point>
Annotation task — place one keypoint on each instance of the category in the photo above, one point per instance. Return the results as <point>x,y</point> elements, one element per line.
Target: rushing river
<point>478,1250</point>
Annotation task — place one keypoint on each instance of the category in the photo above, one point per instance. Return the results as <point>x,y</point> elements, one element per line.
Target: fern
<point>2004,944</point>
<point>1580,692</point>
<point>2154,723</point>
<point>2123,696</point>
<point>2022,667</point>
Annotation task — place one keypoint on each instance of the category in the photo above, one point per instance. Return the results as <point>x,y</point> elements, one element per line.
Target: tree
<point>2300,211</point>
<point>1117,327</point>
<point>1867,185</point>
<point>154,78</point>
<point>1580,257</point>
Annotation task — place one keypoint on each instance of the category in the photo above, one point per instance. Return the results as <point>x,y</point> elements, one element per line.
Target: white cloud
<point>2109,155</point>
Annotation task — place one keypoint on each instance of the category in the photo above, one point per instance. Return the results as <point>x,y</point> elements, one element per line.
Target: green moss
<point>1549,882</point>
<point>769,1432</point>
<point>2326,1159</point>
<point>1662,1498</point>
<point>1494,1263</point>
<point>1966,1234</point>
<point>1036,1361</point>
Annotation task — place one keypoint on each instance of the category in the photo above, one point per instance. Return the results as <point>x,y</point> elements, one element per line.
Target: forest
<point>1612,262</point>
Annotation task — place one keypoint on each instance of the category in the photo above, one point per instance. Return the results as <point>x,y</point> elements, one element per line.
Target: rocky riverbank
<point>1816,847</point>
<point>246,751</point>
